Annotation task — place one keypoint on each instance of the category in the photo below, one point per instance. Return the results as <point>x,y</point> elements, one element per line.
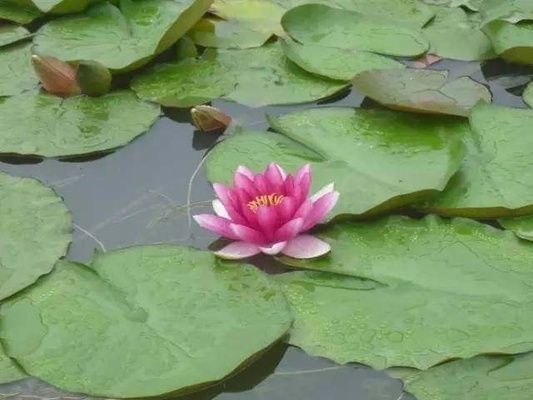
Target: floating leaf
<point>432,290</point>
<point>495,178</point>
<point>19,11</point>
<point>9,371</point>
<point>119,38</point>
<point>93,78</point>
<point>509,10</point>
<point>528,95</point>
<point>254,77</point>
<point>57,77</point>
<point>185,48</point>
<point>521,226</point>
<point>16,71</point>
<point>10,33</point>
<point>34,231</point>
<point>512,42</point>
<point>331,27</point>
<point>41,124</point>
<point>209,119</point>
<point>453,34</point>
<point>422,91</point>
<point>492,377</point>
<point>143,321</point>
<point>335,63</point>
<point>374,157</point>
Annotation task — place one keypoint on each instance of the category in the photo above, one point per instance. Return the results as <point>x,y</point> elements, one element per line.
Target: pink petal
<point>289,230</point>
<point>274,177</point>
<point>220,210</point>
<point>237,250</point>
<point>274,249</point>
<point>222,192</point>
<point>281,171</point>
<point>247,234</point>
<point>306,246</point>
<point>325,190</point>
<point>218,225</point>
<point>243,183</point>
<point>241,169</point>
<point>320,208</point>
<point>268,220</point>
<point>289,186</point>
<point>286,208</point>
<point>305,208</point>
<point>302,181</point>
<point>262,184</point>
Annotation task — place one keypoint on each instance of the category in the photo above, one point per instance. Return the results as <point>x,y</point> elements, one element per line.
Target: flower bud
<point>209,119</point>
<point>56,76</point>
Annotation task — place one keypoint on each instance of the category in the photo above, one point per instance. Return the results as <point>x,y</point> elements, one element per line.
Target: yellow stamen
<point>272,199</point>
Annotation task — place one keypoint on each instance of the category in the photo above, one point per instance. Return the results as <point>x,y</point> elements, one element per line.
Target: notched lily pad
<point>34,232</point>
<point>11,33</point>
<point>332,27</point>
<point>143,321</point>
<point>120,37</point>
<point>512,42</point>
<point>438,290</point>
<point>494,180</point>
<point>36,123</point>
<point>425,91</point>
<point>372,156</point>
<point>16,72</point>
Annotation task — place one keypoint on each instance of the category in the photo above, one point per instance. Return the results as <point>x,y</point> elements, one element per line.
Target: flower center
<point>268,200</point>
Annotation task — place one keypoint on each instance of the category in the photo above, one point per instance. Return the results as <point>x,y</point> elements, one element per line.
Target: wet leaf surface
<point>380,151</point>
<point>11,33</point>
<point>16,71</point>
<point>34,232</point>
<point>331,27</point>
<point>494,179</point>
<point>254,77</point>
<point>425,291</point>
<point>179,315</point>
<point>424,91</point>
<point>512,42</point>
<point>41,124</point>
<point>119,38</point>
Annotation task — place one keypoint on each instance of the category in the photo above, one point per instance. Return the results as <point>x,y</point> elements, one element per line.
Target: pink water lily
<point>269,212</point>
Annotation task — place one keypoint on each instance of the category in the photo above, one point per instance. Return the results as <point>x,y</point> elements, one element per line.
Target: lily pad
<point>494,180</point>
<point>335,63</point>
<point>16,71</point>
<point>9,371</point>
<point>62,6</point>
<point>332,27</point>
<point>521,226</point>
<point>19,11</point>
<point>34,232</point>
<point>489,377</point>
<point>11,33</point>
<point>37,123</point>
<point>143,321</point>
<point>509,10</point>
<point>120,38</point>
<point>422,91</point>
<point>512,42</point>
<point>453,34</point>
<point>373,156</point>
<point>254,77</point>
<point>435,290</point>
<point>528,95</point>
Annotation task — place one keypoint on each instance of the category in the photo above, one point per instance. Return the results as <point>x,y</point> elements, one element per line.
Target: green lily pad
<point>254,77</point>
<point>509,10</point>
<point>494,180</point>
<point>373,156</point>
<point>120,38</point>
<point>521,226</point>
<point>472,5</point>
<point>435,290</point>
<point>16,72</point>
<point>421,90</point>
<point>62,6</point>
<point>37,123</point>
<point>11,33</point>
<point>331,27</point>
<point>528,95</point>
<point>335,63</point>
<point>512,42</point>
<point>143,321</point>
<point>483,378</point>
<point>9,371</point>
<point>19,11</point>
<point>453,34</point>
<point>34,232</point>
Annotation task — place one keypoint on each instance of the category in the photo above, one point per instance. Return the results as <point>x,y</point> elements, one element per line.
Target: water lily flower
<point>269,213</point>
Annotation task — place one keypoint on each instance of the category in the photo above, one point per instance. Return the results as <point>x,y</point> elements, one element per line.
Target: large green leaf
<point>62,6</point>
<point>454,34</point>
<point>34,232</point>
<point>143,321</point>
<point>254,77</point>
<point>528,95</point>
<point>331,27</point>
<point>435,290</point>
<point>521,226</point>
<point>480,378</point>
<point>11,33</point>
<point>422,91</point>
<point>509,10</point>
<point>9,371</point>
<point>37,123</point>
<point>379,160</point>
<point>495,178</point>
<point>120,38</point>
<point>19,11</point>
<point>512,42</point>
<point>333,62</point>
<point>16,71</point>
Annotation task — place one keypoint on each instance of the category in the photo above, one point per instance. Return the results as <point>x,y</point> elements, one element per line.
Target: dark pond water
<point>139,195</point>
